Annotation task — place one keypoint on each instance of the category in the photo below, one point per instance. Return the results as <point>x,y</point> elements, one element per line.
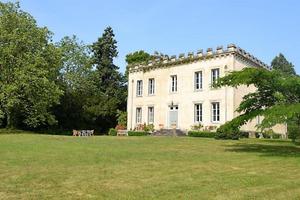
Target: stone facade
<point>176,92</point>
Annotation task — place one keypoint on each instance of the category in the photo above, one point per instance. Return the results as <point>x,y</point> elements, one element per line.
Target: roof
<point>232,49</point>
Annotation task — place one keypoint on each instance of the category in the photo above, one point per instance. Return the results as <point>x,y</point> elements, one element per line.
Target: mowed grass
<point>62,167</point>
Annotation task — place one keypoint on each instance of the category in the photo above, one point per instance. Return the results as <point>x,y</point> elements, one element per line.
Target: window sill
<point>198,90</point>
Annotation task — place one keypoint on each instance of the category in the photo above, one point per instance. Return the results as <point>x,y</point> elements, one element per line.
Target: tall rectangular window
<point>150,115</point>
<point>151,86</point>
<point>139,88</point>
<point>198,80</point>
<point>174,83</point>
<point>198,112</point>
<point>215,74</point>
<point>215,111</point>
<point>138,115</point>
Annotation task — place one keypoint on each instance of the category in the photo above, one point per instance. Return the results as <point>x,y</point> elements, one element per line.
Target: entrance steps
<point>168,132</point>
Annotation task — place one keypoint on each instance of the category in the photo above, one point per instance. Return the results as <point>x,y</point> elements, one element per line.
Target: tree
<point>277,97</point>
<point>138,57</point>
<point>28,69</point>
<point>280,63</point>
<point>135,58</point>
<point>76,80</point>
<point>110,94</point>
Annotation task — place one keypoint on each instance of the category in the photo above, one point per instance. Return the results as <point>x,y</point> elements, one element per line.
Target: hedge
<point>205,134</point>
<point>137,133</point>
<point>112,132</point>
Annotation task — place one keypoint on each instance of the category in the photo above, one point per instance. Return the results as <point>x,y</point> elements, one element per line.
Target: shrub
<point>271,134</point>
<point>205,134</point>
<point>137,133</point>
<point>112,132</point>
<point>197,127</point>
<point>122,118</point>
<point>227,132</point>
<point>276,136</point>
<point>148,128</point>
<point>244,134</point>
<point>293,133</point>
<point>267,135</point>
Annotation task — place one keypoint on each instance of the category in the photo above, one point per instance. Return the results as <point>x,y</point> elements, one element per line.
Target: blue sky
<point>262,27</point>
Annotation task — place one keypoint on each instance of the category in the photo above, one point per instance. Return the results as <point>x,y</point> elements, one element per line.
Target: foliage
<point>244,134</point>
<point>135,58</point>
<point>197,127</point>
<point>276,136</point>
<point>293,133</point>
<point>206,134</point>
<point>76,80</point>
<point>137,133</point>
<point>227,131</point>
<point>122,118</point>
<point>29,65</point>
<point>149,128</point>
<point>110,94</point>
<point>277,97</point>
<point>138,57</point>
<point>280,63</point>
<point>112,132</point>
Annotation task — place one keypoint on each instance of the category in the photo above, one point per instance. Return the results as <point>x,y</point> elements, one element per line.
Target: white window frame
<point>139,88</point>
<point>151,86</point>
<point>174,83</point>
<point>215,75</point>
<point>198,112</point>
<point>215,112</point>
<point>138,115</point>
<point>151,115</point>
<point>198,78</point>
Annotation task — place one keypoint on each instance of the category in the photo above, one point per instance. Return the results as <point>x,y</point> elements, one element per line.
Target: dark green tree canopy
<point>138,57</point>
<point>280,63</point>
<point>110,95</point>
<point>104,52</point>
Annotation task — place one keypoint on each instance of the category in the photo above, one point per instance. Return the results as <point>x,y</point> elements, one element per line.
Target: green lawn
<point>64,167</point>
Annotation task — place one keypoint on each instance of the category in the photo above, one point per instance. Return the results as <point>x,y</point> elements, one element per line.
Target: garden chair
<point>76,133</point>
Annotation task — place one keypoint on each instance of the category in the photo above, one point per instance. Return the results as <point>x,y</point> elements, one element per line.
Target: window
<point>174,83</point>
<point>139,88</point>
<point>198,80</point>
<point>151,86</point>
<point>138,115</point>
<point>150,115</point>
<point>215,74</point>
<point>215,108</point>
<point>198,112</point>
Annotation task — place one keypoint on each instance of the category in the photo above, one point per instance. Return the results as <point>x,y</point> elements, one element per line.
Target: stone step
<point>168,132</point>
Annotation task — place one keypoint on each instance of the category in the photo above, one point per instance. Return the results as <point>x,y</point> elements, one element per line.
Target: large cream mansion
<point>176,92</point>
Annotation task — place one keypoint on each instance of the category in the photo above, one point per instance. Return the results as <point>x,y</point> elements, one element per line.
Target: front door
<point>173,116</point>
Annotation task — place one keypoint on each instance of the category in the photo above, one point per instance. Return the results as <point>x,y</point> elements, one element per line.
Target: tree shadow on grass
<point>264,149</point>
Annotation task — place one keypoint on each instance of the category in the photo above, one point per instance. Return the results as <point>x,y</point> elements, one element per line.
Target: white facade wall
<point>186,95</point>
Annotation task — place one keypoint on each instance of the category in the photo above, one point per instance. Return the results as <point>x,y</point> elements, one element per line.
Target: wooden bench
<point>122,133</point>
